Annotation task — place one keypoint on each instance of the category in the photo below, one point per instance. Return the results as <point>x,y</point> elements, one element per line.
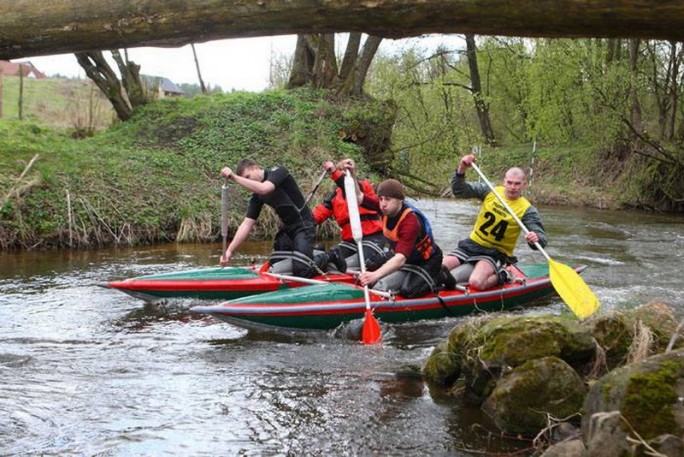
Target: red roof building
<point>27,69</point>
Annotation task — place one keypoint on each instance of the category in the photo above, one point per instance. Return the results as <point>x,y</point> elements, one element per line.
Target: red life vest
<point>370,219</point>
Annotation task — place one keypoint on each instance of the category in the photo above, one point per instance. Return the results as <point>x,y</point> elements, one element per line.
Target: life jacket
<point>495,227</point>
<point>370,219</point>
<point>424,248</point>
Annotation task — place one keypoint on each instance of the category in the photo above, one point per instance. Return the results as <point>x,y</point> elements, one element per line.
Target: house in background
<point>26,68</point>
<point>163,87</point>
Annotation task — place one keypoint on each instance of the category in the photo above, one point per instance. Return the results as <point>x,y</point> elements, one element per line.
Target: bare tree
<point>199,74</point>
<point>124,94</point>
<point>315,63</point>
<point>481,106</point>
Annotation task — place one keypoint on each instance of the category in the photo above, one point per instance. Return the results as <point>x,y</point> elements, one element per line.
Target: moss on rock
<point>648,395</point>
<point>523,401</point>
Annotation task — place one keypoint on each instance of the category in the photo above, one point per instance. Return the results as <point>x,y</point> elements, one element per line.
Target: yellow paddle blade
<point>572,289</point>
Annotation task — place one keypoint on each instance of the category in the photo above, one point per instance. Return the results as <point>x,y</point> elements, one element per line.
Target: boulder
<point>647,398</point>
<point>525,400</point>
<point>635,334</point>
<point>504,343</point>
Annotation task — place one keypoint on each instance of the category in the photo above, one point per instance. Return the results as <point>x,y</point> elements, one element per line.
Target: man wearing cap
<point>415,267</point>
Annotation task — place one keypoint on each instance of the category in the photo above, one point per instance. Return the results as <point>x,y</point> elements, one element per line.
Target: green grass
<point>156,177</point>
<point>57,102</point>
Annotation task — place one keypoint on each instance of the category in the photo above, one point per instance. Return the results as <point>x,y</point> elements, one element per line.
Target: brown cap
<point>391,188</point>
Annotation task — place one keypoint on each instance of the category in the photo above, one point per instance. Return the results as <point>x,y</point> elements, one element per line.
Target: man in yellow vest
<point>493,238</point>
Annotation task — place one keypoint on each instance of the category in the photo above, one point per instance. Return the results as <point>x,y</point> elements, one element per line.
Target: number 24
<point>498,231</point>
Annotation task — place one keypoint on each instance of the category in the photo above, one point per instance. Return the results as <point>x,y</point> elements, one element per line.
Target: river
<point>89,371</point>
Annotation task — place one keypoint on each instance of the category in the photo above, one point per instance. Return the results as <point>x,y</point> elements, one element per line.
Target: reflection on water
<point>91,371</point>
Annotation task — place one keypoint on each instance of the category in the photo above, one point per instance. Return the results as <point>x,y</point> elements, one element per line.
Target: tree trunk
<point>302,64</point>
<point>66,26</point>
<point>130,79</point>
<point>636,115</point>
<point>199,73</point>
<point>97,69</point>
<point>324,71</point>
<point>673,95</point>
<point>363,63</point>
<point>315,63</point>
<point>2,79</point>
<point>481,106</point>
<point>350,54</point>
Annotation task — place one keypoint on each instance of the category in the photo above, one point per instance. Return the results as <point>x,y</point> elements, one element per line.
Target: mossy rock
<point>614,334</point>
<point>660,319</point>
<point>443,367</point>
<point>648,395</point>
<point>507,342</point>
<point>523,399</point>
<point>618,333</point>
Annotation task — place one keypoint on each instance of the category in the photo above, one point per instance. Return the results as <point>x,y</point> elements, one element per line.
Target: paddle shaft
<point>357,230</point>
<point>318,281</point>
<point>313,191</point>
<point>508,208</point>
<point>224,215</point>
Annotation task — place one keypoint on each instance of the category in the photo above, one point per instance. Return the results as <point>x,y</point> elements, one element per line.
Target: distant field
<point>58,102</point>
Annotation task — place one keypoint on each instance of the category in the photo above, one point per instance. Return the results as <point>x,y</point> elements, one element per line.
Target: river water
<point>89,371</point>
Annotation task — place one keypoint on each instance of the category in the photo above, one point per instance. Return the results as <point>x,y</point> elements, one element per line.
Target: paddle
<point>370,333</point>
<point>224,215</point>
<point>569,285</point>
<point>283,277</point>
<point>313,191</point>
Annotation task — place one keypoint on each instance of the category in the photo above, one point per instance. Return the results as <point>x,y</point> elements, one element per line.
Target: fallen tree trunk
<point>66,26</point>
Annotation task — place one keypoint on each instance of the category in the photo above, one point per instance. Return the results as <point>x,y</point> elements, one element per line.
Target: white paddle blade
<point>353,206</point>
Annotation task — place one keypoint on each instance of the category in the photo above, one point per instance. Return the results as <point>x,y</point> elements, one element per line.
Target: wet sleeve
<point>323,210</point>
<point>254,207</point>
<point>371,202</point>
<point>462,189</point>
<point>533,221</point>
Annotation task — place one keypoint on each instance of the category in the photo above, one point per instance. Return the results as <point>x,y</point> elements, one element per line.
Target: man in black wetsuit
<point>278,189</point>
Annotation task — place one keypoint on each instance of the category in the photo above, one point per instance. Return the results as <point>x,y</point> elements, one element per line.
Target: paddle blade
<point>572,289</point>
<point>370,333</point>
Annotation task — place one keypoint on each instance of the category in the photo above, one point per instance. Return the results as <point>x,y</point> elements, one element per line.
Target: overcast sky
<point>240,64</point>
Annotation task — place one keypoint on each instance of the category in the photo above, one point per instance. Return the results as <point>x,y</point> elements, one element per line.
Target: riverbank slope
<point>156,177</point>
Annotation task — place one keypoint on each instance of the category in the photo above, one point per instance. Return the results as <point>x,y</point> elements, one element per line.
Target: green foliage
<point>57,102</point>
<point>597,100</point>
<point>156,177</point>
<point>430,131</point>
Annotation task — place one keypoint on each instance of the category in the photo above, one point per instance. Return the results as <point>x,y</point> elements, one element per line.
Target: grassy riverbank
<point>156,177</point>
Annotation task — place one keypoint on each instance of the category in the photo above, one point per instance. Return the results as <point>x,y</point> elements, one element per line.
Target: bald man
<point>493,238</point>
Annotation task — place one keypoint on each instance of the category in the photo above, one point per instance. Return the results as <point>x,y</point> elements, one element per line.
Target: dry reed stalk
<point>641,343</point>
<point>98,222</point>
<point>17,188</point>
<point>600,365</point>
<point>675,335</point>
<point>193,229</point>
<point>69,218</point>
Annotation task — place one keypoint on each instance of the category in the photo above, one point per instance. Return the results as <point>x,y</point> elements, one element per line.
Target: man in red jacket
<point>335,206</point>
